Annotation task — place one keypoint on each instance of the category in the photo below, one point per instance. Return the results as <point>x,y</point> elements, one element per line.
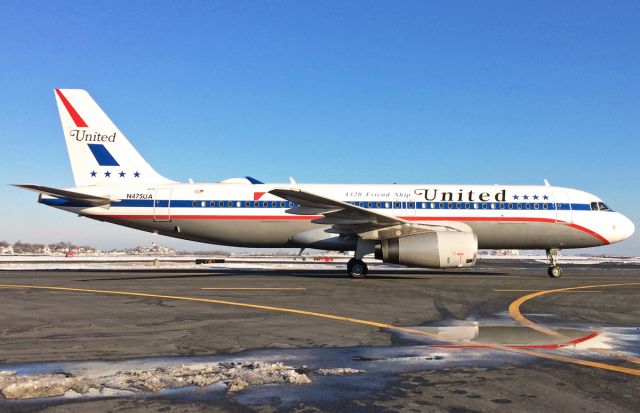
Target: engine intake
<point>439,249</point>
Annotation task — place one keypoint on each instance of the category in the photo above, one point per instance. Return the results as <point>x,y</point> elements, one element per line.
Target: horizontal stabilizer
<point>63,193</point>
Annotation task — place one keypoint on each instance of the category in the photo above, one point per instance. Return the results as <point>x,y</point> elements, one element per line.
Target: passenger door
<point>563,207</point>
<point>162,205</point>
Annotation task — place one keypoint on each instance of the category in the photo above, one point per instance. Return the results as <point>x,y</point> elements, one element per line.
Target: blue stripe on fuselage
<point>242,204</point>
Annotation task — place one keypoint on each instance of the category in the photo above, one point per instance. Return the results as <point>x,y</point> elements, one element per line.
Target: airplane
<point>424,225</point>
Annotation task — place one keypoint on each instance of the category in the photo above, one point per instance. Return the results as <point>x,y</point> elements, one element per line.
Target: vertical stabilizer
<point>99,153</point>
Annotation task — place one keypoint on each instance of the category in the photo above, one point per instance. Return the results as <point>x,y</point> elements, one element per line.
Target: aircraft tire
<point>349,264</point>
<point>554,272</point>
<point>357,269</point>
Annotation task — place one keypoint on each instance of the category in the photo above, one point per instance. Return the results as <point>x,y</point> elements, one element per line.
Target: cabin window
<point>387,205</point>
<point>194,204</point>
<point>203,204</point>
<point>545,206</point>
<point>536,206</point>
<point>519,206</point>
<point>412,205</point>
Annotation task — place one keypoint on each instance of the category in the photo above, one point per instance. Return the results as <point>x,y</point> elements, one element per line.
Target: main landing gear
<point>356,267</point>
<point>554,270</point>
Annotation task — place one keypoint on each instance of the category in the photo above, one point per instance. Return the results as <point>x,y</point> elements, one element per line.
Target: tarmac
<point>498,337</point>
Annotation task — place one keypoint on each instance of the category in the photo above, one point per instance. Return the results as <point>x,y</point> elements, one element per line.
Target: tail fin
<point>99,153</point>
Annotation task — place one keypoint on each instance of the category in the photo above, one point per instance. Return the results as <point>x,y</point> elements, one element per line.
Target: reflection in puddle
<point>482,336</point>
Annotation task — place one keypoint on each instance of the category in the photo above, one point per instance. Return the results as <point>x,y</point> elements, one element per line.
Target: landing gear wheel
<point>554,272</point>
<point>357,268</point>
<point>350,264</point>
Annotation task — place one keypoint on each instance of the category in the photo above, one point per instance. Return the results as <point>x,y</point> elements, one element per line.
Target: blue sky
<point>371,92</point>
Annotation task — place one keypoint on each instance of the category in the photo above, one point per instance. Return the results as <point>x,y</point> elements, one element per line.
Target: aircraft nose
<point>624,228</point>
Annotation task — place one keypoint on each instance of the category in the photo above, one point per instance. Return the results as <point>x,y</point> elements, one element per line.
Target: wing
<point>348,219</point>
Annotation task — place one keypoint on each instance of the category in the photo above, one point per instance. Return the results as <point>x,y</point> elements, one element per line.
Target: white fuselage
<point>245,214</point>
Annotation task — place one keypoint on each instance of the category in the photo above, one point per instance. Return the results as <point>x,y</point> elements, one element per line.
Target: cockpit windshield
<point>600,206</point>
<point>603,206</point>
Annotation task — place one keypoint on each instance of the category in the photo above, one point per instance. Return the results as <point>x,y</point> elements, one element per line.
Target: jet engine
<point>438,249</point>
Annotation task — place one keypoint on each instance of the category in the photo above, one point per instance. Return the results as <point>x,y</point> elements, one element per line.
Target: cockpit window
<point>603,206</point>
<point>594,206</point>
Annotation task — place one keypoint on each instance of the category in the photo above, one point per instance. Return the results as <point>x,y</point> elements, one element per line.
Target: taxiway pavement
<point>72,316</point>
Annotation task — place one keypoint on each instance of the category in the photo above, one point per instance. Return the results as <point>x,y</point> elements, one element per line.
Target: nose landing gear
<point>554,270</point>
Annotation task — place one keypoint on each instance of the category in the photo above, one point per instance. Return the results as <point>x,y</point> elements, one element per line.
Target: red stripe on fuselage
<point>217,217</point>
<point>311,217</point>
<point>588,231</point>
<point>77,119</point>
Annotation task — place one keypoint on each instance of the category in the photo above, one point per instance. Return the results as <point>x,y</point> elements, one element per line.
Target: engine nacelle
<point>439,249</point>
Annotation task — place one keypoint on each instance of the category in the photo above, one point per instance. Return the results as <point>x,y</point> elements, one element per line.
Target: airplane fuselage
<point>247,215</point>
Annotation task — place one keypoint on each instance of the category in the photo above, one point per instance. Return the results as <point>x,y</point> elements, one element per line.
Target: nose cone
<point>623,229</point>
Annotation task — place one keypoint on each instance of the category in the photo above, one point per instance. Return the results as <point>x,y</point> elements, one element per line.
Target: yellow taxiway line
<point>204,300</point>
<point>254,288</point>
<point>528,291</point>
<point>514,306</point>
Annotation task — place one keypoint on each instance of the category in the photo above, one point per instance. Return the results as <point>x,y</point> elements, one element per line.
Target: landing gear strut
<point>554,270</point>
<point>356,267</point>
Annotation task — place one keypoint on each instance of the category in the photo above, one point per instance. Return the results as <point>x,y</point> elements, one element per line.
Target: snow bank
<point>234,375</point>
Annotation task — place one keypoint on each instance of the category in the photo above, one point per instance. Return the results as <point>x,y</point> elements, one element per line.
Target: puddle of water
<point>498,335</point>
<point>442,347</point>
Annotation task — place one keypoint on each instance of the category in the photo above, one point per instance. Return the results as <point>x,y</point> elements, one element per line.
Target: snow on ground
<point>132,262</point>
<point>233,375</point>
